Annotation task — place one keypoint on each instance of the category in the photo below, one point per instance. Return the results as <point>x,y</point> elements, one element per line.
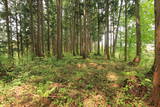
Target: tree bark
<point>85,33</point>
<point>98,48</point>
<point>126,33</point>
<point>138,33</point>
<point>117,30</point>
<point>17,34</point>
<point>39,32</point>
<point>156,77</point>
<point>48,28</point>
<point>107,53</point>
<point>8,29</point>
<point>21,36</point>
<point>32,27</point>
<point>59,29</point>
<point>42,25</point>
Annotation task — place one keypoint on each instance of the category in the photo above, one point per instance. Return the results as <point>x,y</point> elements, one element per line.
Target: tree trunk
<point>59,29</point>
<point>42,25</point>
<point>126,33</point>
<point>98,48</point>
<point>8,29</point>
<point>138,33</point>
<point>21,36</point>
<point>48,28</point>
<point>17,34</point>
<point>32,27</point>
<point>156,77</point>
<point>117,30</point>
<point>107,53</point>
<point>84,52</point>
<point>74,34</point>
<point>39,32</point>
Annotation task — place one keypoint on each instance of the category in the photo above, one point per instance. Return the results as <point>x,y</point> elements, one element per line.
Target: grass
<point>74,82</point>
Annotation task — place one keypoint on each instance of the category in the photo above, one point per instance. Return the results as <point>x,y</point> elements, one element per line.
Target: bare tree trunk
<point>138,33</point>
<point>81,38</point>
<point>39,32</point>
<point>113,33</point>
<point>80,31</point>
<point>98,48</point>
<point>17,33</point>
<point>84,54</point>
<point>117,30</point>
<point>59,29</point>
<point>107,53</point>
<point>32,27</point>
<point>42,25</point>
<point>126,33</point>
<point>48,28</point>
<point>74,34</point>
<point>21,37</point>
<point>8,29</point>
<point>156,77</point>
<point>77,27</point>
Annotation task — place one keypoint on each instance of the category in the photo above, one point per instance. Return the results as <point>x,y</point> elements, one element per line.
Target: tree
<point>48,26</point>
<point>107,32</point>
<point>8,29</point>
<point>156,77</point>
<point>138,32</point>
<point>85,37</point>
<point>32,27</point>
<point>117,29</point>
<point>59,29</point>
<point>126,32</point>
<point>39,51</point>
<point>98,34</point>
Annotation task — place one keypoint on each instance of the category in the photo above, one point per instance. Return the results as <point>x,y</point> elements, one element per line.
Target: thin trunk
<point>21,36</point>
<point>126,33</point>
<point>42,25</point>
<point>59,29</point>
<point>107,53</point>
<point>48,28</point>
<point>85,32</point>
<point>113,32</point>
<point>80,33</point>
<point>117,29</point>
<point>74,34</point>
<point>8,29</point>
<point>17,37</point>
<point>98,49</point>
<point>138,31</point>
<point>39,33</point>
<point>32,27</point>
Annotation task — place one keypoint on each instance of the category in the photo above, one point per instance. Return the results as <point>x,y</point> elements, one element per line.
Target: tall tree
<point>42,24</point>
<point>138,32</point>
<point>156,77</point>
<point>59,29</point>
<point>48,26</point>
<point>117,29</point>
<point>98,34</point>
<point>17,34</point>
<point>32,27</point>
<point>8,29</point>
<point>107,53</point>
<point>126,32</point>
<point>85,31</point>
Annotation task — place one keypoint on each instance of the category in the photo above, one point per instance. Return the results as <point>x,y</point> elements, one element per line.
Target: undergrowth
<point>74,82</point>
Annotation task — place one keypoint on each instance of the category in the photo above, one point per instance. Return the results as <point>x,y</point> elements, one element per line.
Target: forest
<point>79,53</point>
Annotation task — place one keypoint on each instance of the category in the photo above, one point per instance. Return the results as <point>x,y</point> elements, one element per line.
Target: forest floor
<point>74,82</point>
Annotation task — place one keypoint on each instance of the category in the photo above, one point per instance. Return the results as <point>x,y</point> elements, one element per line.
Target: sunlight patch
<point>112,76</point>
